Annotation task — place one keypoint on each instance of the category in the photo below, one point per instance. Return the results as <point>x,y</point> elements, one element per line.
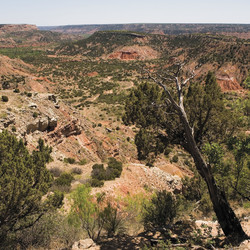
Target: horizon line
<point>197,23</point>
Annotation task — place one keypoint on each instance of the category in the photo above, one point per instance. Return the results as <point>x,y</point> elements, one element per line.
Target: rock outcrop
<point>72,128</point>
<point>125,55</point>
<point>42,124</point>
<point>8,120</point>
<point>134,53</point>
<point>85,244</point>
<point>4,28</point>
<point>159,178</point>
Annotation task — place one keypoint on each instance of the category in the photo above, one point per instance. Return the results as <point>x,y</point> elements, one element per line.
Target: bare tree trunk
<point>226,216</point>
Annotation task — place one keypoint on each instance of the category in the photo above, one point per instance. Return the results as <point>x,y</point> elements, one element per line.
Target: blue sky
<point>63,12</point>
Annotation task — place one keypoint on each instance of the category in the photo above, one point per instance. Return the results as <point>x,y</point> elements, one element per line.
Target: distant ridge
<point>17,27</point>
<point>239,30</point>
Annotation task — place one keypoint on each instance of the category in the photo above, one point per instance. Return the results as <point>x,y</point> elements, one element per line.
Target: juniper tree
<point>201,117</point>
<point>24,179</point>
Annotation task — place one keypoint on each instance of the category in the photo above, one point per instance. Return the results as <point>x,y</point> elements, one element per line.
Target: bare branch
<point>189,78</point>
<point>164,88</point>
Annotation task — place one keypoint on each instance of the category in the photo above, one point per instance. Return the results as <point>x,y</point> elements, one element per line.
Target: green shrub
<point>16,91</point>
<point>13,129</point>
<point>85,212</point>
<point>160,211</point>
<point>76,170</point>
<point>29,94</point>
<point>55,171</point>
<point>69,160</point>
<point>24,182</point>
<point>82,162</point>
<point>206,206</point>
<point>113,221</point>
<point>98,172</point>
<point>167,151</point>
<point>188,163</point>
<point>5,98</point>
<point>96,183</point>
<point>35,115</point>
<point>64,179</point>
<point>175,158</point>
<point>114,169</point>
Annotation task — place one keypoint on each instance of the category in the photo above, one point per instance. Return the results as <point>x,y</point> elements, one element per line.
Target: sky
<point>69,12</point>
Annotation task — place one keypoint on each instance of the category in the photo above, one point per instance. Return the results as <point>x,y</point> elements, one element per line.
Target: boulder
<point>72,128</point>
<point>57,106</point>
<point>52,98</point>
<point>43,124</point>
<point>33,126</point>
<point>52,123</point>
<point>32,105</point>
<point>8,121</point>
<point>85,244</point>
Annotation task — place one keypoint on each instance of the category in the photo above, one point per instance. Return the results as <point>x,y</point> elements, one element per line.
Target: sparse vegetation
<point>55,171</point>
<point>64,179</point>
<point>5,98</point>
<point>69,160</point>
<point>35,115</point>
<point>76,170</point>
<point>99,173</point>
<point>95,89</point>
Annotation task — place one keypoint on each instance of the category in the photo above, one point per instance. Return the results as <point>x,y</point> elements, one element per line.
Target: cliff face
<point>238,30</point>
<point>6,28</point>
<point>134,52</point>
<point>20,35</point>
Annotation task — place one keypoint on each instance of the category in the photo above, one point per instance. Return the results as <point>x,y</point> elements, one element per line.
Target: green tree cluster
<point>159,124</point>
<point>161,211</point>
<point>24,180</point>
<point>201,118</point>
<point>99,174</point>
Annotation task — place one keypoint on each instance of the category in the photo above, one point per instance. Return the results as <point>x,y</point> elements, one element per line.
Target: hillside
<point>72,95</point>
<point>28,35</point>
<point>229,57</point>
<point>238,30</point>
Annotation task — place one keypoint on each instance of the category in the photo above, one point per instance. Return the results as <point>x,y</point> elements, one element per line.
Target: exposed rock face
<point>52,98</point>
<point>52,123</point>
<point>42,124</point>
<point>93,74</point>
<point>85,244</point>
<point>72,128</point>
<point>32,105</point>
<point>228,84</point>
<point>5,122</point>
<point>12,71</point>
<point>134,53</point>
<point>125,55</point>
<point>173,182</point>
<point>16,27</point>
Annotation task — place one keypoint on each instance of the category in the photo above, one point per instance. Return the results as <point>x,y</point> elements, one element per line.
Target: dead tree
<point>225,215</point>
